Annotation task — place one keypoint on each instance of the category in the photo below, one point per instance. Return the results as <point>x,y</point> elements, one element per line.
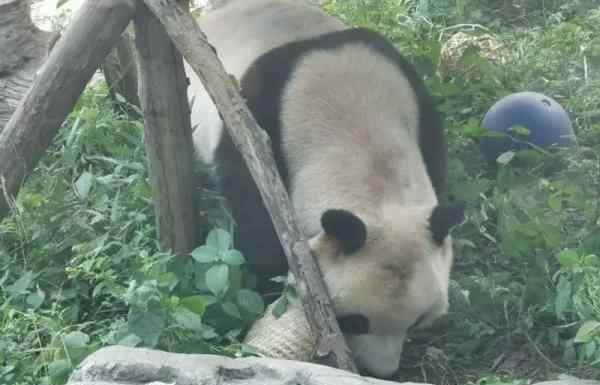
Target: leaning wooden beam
<point>168,137</point>
<point>95,29</point>
<point>253,143</point>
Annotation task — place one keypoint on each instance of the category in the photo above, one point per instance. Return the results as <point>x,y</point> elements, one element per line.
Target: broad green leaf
<point>505,158</point>
<point>280,307</point>
<point>250,301</point>
<point>205,254</point>
<point>590,348</point>
<point>209,333</point>
<point>279,279</point>
<point>233,334</point>
<point>147,325</point>
<point>219,239</point>
<point>591,260</point>
<point>520,131</point>
<point>568,258</point>
<point>231,309</point>
<point>76,339</point>
<point>59,371</point>
<point>217,279</point>
<point>4,278</point>
<point>587,331</point>
<point>130,340</point>
<point>188,319</point>
<point>21,285</point>
<point>36,299</point>
<point>168,280</point>
<point>84,184</point>
<point>555,202</point>
<point>98,289</point>
<point>195,303</point>
<point>76,345</point>
<point>233,257</point>
<point>563,297</point>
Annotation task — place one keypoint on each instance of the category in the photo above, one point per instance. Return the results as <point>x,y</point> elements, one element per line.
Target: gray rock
<point>120,365</point>
<point>570,381</point>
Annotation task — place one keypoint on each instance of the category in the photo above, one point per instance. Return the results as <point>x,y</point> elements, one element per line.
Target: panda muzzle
<point>354,324</point>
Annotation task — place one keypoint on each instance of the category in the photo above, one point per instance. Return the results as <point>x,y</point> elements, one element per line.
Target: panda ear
<point>444,218</point>
<point>348,229</point>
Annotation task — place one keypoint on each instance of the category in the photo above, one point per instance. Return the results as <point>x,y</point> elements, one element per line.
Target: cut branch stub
<point>95,29</point>
<point>252,142</point>
<point>24,48</point>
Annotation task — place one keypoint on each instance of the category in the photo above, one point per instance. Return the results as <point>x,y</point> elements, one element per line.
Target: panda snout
<point>354,324</point>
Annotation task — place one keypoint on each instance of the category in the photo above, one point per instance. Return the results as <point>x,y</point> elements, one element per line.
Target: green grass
<point>80,267</point>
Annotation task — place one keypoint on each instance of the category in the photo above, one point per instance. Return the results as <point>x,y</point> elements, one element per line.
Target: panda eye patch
<point>354,324</point>
<point>346,227</point>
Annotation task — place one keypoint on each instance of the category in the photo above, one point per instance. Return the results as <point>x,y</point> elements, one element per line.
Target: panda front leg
<point>254,233</point>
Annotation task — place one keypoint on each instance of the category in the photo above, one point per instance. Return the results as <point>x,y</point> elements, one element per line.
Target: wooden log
<point>163,97</point>
<point>254,145</point>
<point>120,70</point>
<point>23,49</point>
<point>96,28</point>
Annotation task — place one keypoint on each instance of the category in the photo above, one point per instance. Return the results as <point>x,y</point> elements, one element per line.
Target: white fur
<point>241,31</point>
<point>351,124</point>
<point>398,276</point>
<point>377,353</point>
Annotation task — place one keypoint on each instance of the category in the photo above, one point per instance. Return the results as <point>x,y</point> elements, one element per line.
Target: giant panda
<point>361,150</point>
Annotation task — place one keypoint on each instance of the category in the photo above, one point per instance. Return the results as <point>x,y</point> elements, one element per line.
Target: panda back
<point>338,89</point>
<point>241,31</point>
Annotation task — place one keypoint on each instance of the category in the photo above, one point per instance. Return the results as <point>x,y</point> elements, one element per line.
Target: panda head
<point>386,273</point>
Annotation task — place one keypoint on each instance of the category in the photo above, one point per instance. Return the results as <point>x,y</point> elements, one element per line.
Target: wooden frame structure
<point>165,31</point>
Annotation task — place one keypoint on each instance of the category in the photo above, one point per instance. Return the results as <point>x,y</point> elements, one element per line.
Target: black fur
<point>262,87</point>
<point>444,218</point>
<point>346,227</point>
<point>354,324</point>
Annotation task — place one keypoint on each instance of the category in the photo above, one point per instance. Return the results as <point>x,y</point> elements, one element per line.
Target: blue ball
<point>548,124</point>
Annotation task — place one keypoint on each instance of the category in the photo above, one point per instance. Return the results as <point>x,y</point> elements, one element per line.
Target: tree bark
<point>163,86</point>
<point>24,48</point>
<point>120,70</point>
<point>95,29</point>
<point>253,143</point>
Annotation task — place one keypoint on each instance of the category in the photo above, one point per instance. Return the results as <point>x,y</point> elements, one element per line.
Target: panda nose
<point>354,324</point>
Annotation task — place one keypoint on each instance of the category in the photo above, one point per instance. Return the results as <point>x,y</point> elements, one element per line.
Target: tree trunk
<point>163,86</point>
<point>120,70</point>
<point>23,49</point>
<point>253,143</point>
<point>95,29</point>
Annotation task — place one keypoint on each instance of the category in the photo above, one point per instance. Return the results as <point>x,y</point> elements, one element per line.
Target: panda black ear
<point>346,227</point>
<point>444,218</point>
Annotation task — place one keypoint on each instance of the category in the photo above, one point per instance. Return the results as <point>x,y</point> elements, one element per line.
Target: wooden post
<point>120,69</point>
<point>163,97</point>
<point>23,49</point>
<point>95,29</point>
<point>253,143</point>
